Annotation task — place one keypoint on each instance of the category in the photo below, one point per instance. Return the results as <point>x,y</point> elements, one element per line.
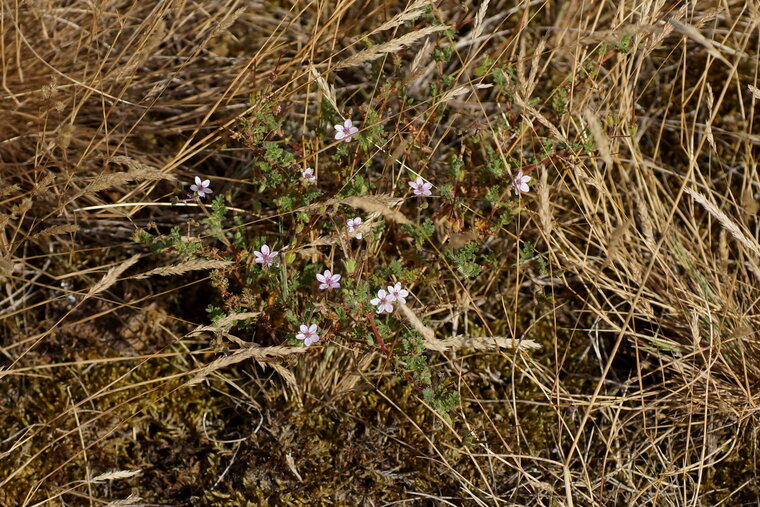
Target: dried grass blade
<point>522,104</point>
<point>697,36</point>
<point>223,326</point>
<point>112,276</point>
<point>413,12</point>
<point>185,267</point>
<point>57,229</point>
<point>459,342</point>
<point>421,54</point>
<point>392,46</point>
<point>258,354</point>
<point>726,222</point>
<point>479,17</point>
<point>285,373</point>
<point>544,204</point>
<point>131,501</point>
<point>140,171</point>
<point>708,123</point>
<point>599,136</point>
<point>235,317</point>
<point>118,474</point>
<point>427,333</point>
<point>12,189</point>
<point>105,181</point>
<point>487,343</point>
<point>456,92</point>
<point>378,204</point>
<point>21,208</point>
<point>328,92</point>
<point>6,266</point>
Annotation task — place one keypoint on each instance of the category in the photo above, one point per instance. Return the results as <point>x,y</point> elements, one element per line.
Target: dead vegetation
<point>602,332</point>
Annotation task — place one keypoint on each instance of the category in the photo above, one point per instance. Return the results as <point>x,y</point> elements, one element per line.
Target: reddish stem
<point>379,338</point>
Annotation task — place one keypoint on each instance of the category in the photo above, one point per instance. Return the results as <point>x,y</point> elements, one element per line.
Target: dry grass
<point>611,363</point>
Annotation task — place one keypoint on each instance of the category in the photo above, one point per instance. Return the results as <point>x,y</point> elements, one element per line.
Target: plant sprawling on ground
<point>362,253</point>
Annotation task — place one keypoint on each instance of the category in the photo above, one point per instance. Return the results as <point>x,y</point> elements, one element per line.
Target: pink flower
<point>329,280</point>
<point>308,334</point>
<point>421,187</point>
<point>308,174</point>
<point>345,131</point>
<point>383,302</point>
<point>265,256</point>
<point>201,187</point>
<point>521,183</point>
<point>398,293</point>
<point>353,225</point>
